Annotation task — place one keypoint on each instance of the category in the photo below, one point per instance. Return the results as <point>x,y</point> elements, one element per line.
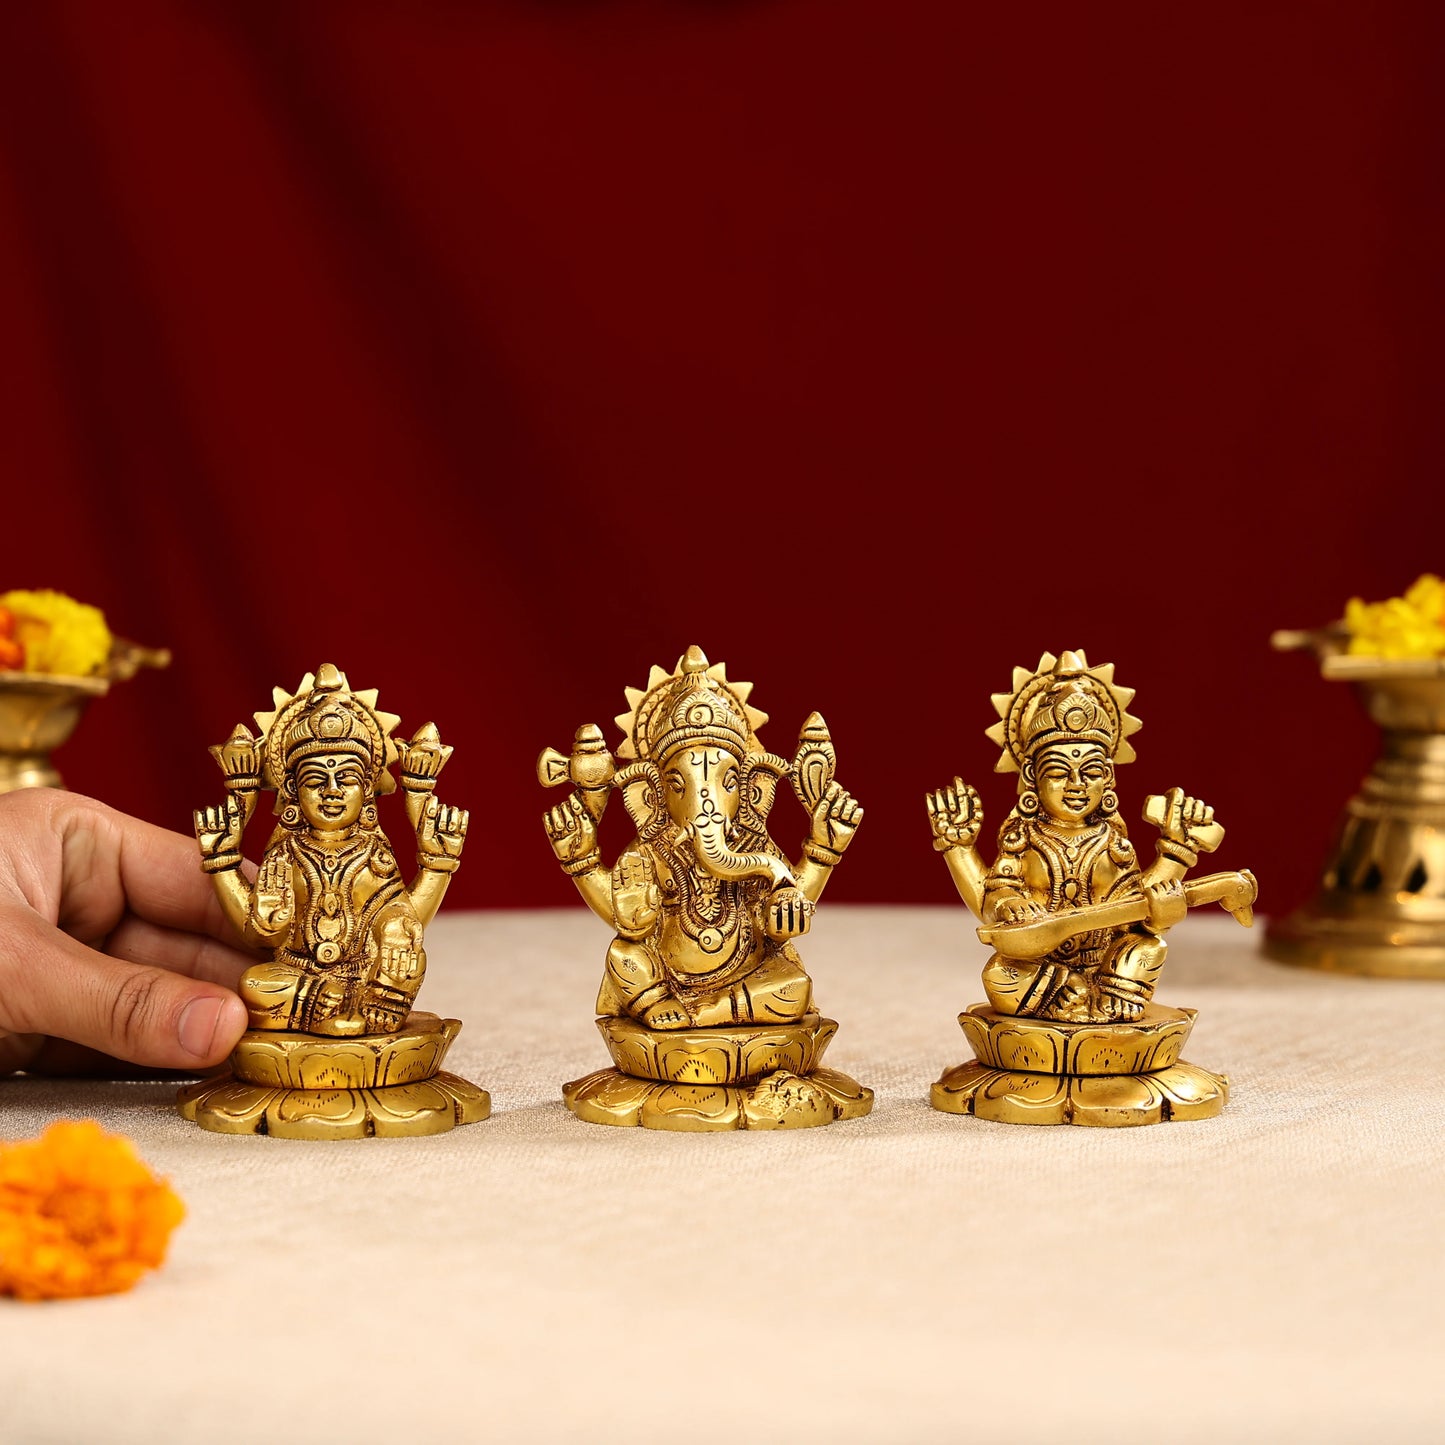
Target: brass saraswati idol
<point>705,1005</point>
<point>1070,1033</point>
<point>334,1050</point>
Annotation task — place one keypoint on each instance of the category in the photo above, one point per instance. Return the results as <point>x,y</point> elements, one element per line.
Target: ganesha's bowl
<point>280,1060</point>
<point>734,1054</point>
<point>1043,1046</point>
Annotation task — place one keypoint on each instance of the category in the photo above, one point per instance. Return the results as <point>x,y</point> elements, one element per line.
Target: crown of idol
<point>323,715</point>
<point>1063,700</point>
<point>694,705</point>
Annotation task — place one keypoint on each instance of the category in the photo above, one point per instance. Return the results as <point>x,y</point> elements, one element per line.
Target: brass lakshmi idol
<point>1070,1033</point>
<point>334,1050</point>
<point>705,1006</point>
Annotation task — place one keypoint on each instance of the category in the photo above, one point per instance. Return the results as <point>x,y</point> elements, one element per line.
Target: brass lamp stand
<point>39,711</point>
<point>1380,905</point>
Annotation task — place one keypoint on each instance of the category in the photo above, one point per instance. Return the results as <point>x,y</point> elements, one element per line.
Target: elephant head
<point>706,796</point>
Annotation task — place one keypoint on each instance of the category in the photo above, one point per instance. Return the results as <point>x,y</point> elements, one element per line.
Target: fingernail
<point>199,1020</point>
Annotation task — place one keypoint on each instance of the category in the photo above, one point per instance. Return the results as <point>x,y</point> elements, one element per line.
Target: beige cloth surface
<point>1271,1275</point>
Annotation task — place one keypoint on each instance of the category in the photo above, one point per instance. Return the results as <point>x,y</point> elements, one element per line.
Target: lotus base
<point>702,1080</point>
<point>1112,1075</point>
<point>302,1086</point>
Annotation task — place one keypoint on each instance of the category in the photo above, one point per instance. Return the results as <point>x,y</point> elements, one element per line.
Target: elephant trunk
<point>714,853</point>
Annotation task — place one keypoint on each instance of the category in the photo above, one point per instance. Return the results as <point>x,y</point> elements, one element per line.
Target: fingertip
<point>209,1026</point>
<point>232,1021</point>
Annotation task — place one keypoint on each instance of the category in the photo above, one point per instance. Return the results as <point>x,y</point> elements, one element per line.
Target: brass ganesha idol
<point>334,1050</point>
<point>1070,1033</point>
<point>705,1005</point>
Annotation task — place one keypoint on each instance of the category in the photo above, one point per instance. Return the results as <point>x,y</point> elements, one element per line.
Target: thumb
<point>50,984</point>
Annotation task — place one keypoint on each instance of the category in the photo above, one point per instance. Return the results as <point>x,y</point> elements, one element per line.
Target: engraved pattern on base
<point>1105,1076</point>
<point>761,1077</point>
<point>299,1086</point>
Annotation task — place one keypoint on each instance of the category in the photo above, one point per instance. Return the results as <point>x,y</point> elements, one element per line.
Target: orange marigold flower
<point>59,634</point>
<point>12,654</point>
<point>80,1214</point>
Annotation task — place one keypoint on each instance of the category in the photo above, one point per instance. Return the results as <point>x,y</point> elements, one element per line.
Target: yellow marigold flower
<point>1427,596</point>
<point>1408,626</point>
<point>80,1214</point>
<point>59,634</point>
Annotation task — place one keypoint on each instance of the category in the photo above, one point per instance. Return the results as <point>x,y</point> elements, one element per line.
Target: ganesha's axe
<point>1034,937</point>
<point>590,768</point>
<point>814,763</point>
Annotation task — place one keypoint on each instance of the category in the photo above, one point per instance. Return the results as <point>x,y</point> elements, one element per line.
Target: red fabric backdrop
<point>497,351</point>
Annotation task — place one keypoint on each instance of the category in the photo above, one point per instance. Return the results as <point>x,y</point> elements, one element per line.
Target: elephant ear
<point>641,788</point>
<point>761,774</point>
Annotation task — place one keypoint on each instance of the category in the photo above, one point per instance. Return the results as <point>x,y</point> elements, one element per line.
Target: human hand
<point>112,943</point>
<point>955,814</point>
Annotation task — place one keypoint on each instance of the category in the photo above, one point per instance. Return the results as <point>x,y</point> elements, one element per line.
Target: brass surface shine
<point>1044,1046</point>
<point>716,1056</point>
<point>704,1005</point>
<point>1183,1091</point>
<point>39,711</point>
<point>335,1050</point>
<point>1070,1033</point>
<point>299,1086</point>
<point>1379,908</point>
<point>369,1061</point>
